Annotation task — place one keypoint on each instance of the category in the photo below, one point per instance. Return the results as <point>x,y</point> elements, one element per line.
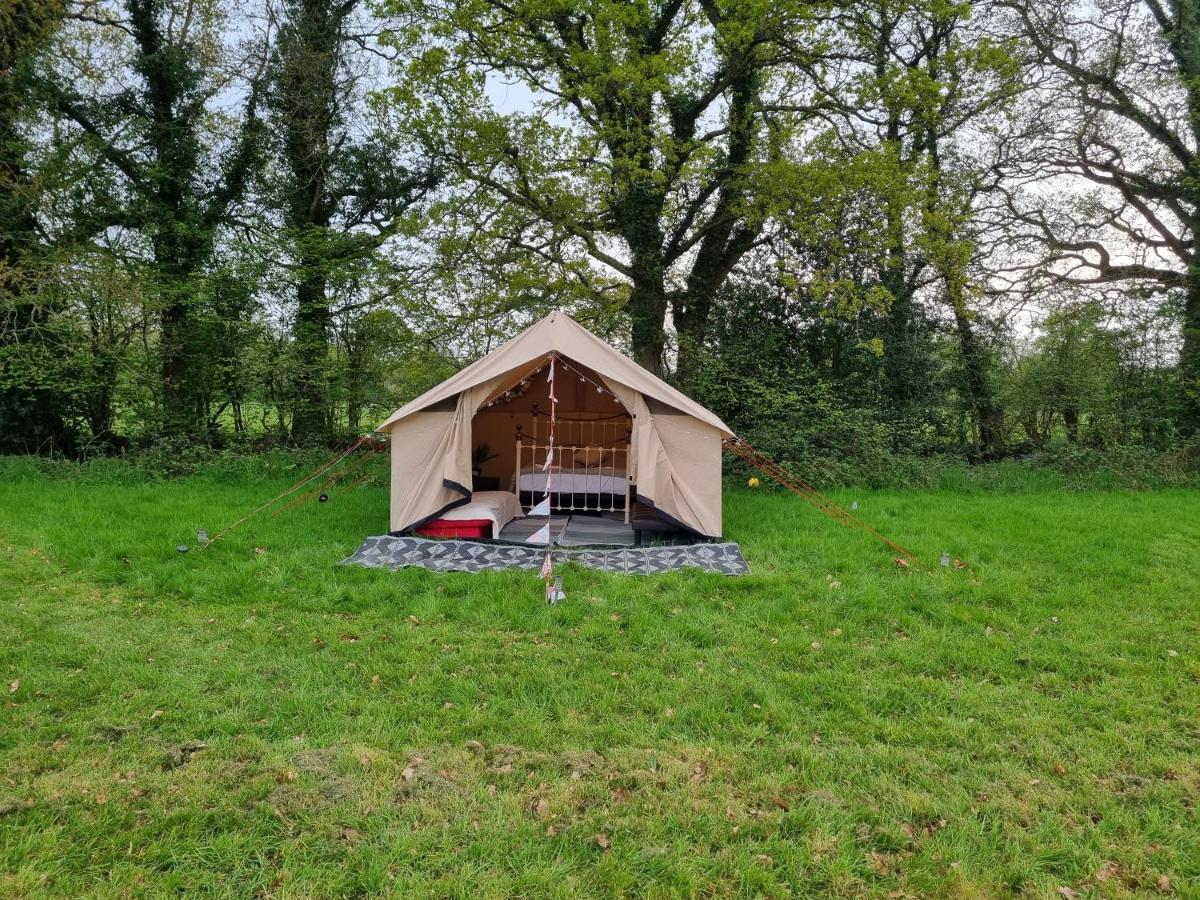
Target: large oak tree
<point>31,411</point>
<point>655,136</point>
<point>343,185</point>
<point>147,110</point>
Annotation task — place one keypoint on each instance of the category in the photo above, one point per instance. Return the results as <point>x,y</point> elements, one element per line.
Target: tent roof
<point>559,333</point>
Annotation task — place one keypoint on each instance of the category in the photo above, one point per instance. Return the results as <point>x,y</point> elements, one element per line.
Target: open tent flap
<point>673,462</point>
<point>685,487</point>
<point>431,457</point>
<point>420,445</point>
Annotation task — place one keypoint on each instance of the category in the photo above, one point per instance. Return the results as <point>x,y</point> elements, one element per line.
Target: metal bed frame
<point>609,436</point>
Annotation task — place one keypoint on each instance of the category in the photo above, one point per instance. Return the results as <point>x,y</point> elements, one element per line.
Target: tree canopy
<point>938,226</point>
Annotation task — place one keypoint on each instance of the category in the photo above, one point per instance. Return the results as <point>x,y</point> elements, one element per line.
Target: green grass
<point>829,725</point>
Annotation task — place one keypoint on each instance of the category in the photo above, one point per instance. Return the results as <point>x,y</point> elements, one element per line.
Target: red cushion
<point>457,528</point>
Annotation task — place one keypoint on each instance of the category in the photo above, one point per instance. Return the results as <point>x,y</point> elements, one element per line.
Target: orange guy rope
<point>354,468</point>
<point>773,470</point>
<point>321,471</point>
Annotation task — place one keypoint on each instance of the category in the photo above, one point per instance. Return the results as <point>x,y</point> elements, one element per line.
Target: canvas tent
<point>674,443</point>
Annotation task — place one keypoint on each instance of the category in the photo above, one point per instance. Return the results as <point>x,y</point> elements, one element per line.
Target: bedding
<point>580,481</point>
<point>499,507</point>
<point>594,458</point>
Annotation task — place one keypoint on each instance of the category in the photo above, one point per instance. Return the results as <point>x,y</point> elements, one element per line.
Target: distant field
<point>256,720</point>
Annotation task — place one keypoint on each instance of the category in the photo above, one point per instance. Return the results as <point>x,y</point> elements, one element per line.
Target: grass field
<point>255,719</point>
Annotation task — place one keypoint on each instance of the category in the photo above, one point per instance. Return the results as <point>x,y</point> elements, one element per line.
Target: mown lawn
<point>255,719</point>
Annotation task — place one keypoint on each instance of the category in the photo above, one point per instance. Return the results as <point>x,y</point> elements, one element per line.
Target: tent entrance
<point>590,472</point>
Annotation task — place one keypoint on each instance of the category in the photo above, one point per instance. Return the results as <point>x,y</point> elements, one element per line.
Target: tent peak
<point>557,332</point>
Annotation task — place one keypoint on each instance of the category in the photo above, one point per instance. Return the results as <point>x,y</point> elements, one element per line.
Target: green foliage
<point>33,415</point>
<point>240,243</point>
<point>1081,380</point>
<point>617,159</point>
<point>809,389</point>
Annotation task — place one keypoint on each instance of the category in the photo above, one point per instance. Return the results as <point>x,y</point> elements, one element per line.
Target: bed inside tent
<point>592,431</point>
<point>587,482</point>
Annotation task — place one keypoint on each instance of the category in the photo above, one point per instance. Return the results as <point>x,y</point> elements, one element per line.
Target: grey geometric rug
<point>387,552</point>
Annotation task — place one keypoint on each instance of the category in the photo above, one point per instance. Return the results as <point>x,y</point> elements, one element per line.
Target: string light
<point>600,389</point>
<point>522,386</point>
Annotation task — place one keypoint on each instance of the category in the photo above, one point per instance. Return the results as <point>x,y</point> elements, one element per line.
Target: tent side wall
<point>431,457</point>
<point>420,444</point>
<point>687,486</point>
<point>676,461</point>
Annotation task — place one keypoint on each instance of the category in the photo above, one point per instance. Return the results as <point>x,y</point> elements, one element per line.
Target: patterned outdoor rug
<point>387,552</point>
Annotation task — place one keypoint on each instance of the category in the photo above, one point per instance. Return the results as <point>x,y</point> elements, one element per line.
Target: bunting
<point>544,535</point>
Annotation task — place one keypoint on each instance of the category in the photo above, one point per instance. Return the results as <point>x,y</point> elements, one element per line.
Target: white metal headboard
<point>590,469</point>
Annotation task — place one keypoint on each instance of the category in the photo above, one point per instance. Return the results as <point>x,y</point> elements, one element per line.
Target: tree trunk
<point>357,345</point>
<point>1070,414</point>
<point>1029,423</point>
<point>988,415</point>
<point>312,421</point>
<point>179,243</point>
<point>692,310</point>
<point>181,352</point>
<point>647,312</point>
<point>899,361</point>
<point>308,100</point>
<point>727,238</point>
<point>1189,357</point>
<point>899,364</point>
<point>691,322</point>
<point>177,398</point>
<point>640,213</point>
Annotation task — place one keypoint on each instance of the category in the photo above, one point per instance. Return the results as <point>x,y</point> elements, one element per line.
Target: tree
<point>1117,111</point>
<point>1069,377</point>
<point>161,139</point>
<point>654,141</point>
<point>31,410</point>
<point>344,197</point>
<point>921,81</point>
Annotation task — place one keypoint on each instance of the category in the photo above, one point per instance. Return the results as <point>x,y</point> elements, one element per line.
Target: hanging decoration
<point>544,535</point>
<point>516,390</point>
<point>522,386</point>
<point>541,536</point>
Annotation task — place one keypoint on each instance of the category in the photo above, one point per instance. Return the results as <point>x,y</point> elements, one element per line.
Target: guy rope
<point>372,446</point>
<point>356,470</point>
<point>756,458</point>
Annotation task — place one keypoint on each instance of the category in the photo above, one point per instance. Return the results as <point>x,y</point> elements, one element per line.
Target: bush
<point>164,463</point>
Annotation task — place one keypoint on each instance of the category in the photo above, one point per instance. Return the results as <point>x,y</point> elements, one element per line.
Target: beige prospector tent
<point>673,443</point>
